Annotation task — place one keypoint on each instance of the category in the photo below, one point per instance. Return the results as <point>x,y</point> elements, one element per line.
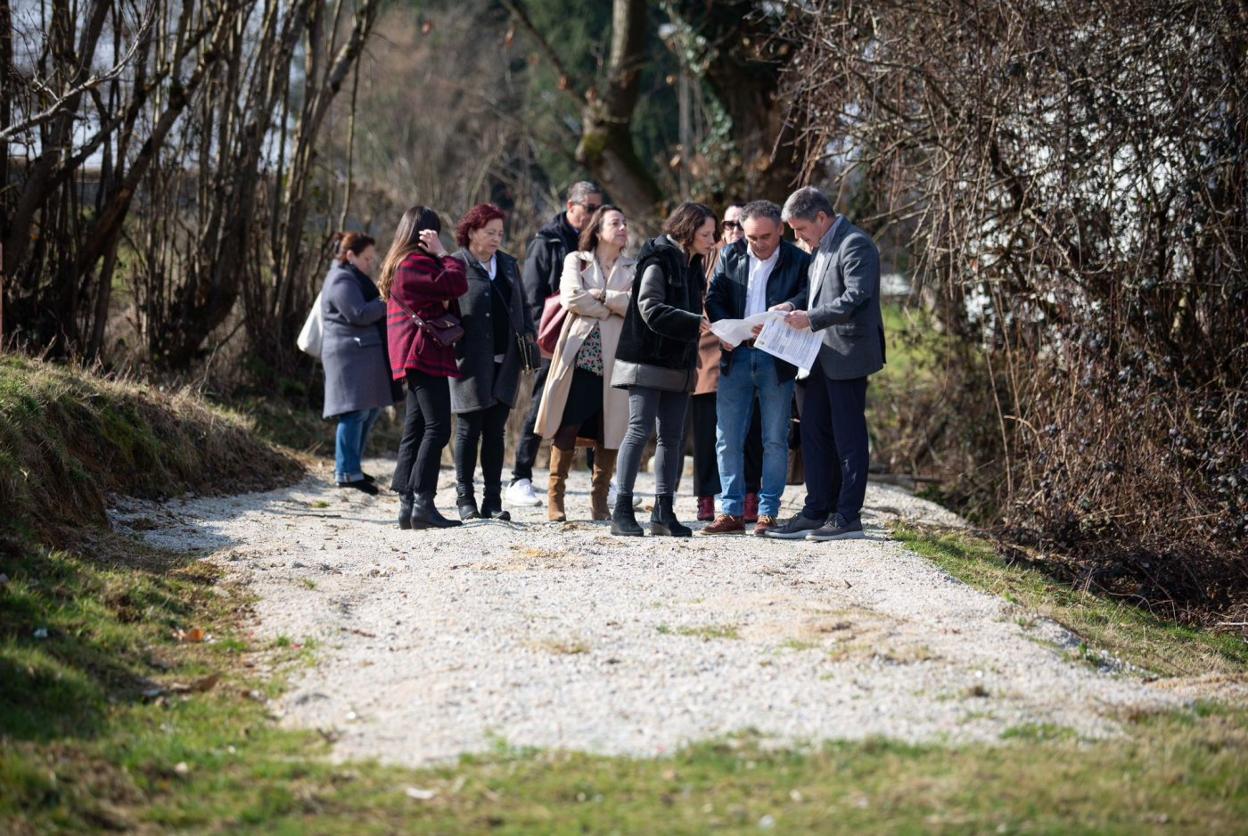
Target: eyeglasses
<point>732,224</point>
<point>592,207</point>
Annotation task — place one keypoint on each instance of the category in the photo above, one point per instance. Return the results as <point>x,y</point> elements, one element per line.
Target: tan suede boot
<point>560,464</point>
<point>604,469</point>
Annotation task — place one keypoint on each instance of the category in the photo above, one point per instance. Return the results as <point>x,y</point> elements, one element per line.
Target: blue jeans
<point>753,371</point>
<point>353,430</point>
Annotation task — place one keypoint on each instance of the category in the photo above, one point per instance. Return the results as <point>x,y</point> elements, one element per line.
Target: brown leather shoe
<point>706,508</point>
<point>724,524</point>
<point>765,523</point>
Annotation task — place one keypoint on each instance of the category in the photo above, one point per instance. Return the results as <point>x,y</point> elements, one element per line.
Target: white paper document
<point>736,331</point>
<point>800,348</point>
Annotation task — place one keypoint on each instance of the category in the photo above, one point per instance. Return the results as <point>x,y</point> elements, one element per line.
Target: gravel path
<point>539,634</point>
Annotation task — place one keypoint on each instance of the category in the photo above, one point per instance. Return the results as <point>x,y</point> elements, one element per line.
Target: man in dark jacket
<point>543,265</point>
<point>755,275</point>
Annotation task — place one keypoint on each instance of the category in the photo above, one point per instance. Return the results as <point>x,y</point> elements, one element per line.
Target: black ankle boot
<point>663,522</point>
<point>623,523</point>
<point>405,511</point>
<point>466,503</point>
<point>492,504</point>
<point>425,514</point>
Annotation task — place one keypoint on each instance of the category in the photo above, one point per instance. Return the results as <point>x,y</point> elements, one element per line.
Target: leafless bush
<point>1076,172</point>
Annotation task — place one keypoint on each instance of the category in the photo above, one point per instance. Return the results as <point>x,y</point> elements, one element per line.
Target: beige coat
<point>582,274</point>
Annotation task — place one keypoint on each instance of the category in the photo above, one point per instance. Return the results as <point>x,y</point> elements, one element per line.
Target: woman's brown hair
<point>588,241</point>
<point>406,242</point>
<point>685,222</point>
<point>350,242</point>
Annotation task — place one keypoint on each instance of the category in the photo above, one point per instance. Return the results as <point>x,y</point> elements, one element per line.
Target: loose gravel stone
<point>438,643</point>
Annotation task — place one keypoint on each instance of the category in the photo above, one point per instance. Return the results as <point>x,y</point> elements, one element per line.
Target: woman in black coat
<point>497,326</point>
<point>656,361</point>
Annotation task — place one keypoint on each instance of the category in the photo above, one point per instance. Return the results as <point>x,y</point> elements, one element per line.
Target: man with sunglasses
<point>543,265</point>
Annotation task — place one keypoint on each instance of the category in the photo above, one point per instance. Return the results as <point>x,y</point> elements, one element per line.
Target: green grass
<point>1127,632</point>
<point>112,722</point>
<point>706,632</point>
<point>68,438</point>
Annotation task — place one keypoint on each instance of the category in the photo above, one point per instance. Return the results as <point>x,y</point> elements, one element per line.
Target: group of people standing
<point>635,349</point>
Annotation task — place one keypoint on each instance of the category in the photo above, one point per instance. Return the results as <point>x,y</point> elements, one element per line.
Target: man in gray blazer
<point>843,306</point>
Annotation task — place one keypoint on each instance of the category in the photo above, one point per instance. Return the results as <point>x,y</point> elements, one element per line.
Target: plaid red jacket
<point>423,283</point>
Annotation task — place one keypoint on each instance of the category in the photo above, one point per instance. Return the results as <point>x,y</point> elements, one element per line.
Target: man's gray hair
<point>580,192</point>
<point>760,209</point>
<point>807,202</point>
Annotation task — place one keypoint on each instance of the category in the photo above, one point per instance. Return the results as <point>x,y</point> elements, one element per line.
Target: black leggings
<point>484,428</point>
<point>426,430</point>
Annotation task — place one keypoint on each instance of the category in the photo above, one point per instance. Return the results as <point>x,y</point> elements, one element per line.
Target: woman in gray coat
<point>496,323</point>
<point>353,351</point>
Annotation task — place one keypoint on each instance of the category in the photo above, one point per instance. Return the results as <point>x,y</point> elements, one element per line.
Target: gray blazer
<point>480,388</point>
<point>353,348</point>
<point>845,308</point>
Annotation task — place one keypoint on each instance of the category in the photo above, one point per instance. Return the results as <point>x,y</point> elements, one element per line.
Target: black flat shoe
<point>362,485</point>
<point>370,479</point>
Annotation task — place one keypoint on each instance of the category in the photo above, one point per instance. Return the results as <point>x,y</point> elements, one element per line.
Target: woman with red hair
<point>498,332</point>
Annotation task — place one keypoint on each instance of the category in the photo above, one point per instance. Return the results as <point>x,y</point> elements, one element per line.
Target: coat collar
<point>827,248</point>
<point>476,270</point>
<point>623,265</point>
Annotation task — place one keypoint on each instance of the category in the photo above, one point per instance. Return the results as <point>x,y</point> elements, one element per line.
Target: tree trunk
<point>606,146</point>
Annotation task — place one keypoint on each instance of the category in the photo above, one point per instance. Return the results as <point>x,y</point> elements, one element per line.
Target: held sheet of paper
<point>797,347</point>
<point>800,348</point>
<point>736,331</point>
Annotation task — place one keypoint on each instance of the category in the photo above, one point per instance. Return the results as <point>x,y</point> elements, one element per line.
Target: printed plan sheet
<point>789,344</point>
<point>736,331</point>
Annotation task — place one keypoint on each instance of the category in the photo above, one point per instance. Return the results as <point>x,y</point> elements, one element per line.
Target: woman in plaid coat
<point>419,279</point>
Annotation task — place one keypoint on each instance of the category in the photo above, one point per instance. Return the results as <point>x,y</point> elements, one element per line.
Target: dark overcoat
<point>478,387</point>
<point>353,347</point>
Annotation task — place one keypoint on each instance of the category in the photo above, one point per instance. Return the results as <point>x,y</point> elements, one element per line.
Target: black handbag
<point>445,330</point>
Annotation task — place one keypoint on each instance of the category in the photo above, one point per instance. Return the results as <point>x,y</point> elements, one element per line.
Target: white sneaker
<point>612,493</point>
<point>520,492</point>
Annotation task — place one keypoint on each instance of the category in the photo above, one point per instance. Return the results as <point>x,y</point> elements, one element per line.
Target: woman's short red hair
<point>475,218</point>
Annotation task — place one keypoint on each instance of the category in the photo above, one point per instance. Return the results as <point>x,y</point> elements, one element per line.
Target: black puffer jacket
<point>662,326</point>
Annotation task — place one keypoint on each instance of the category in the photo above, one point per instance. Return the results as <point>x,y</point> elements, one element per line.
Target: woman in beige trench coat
<point>576,402</point>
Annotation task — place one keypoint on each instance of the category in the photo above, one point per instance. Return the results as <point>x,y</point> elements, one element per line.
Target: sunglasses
<point>732,224</point>
<point>592,207</point>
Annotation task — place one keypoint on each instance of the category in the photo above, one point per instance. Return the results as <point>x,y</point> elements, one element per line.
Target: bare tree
<point>1076,175</point>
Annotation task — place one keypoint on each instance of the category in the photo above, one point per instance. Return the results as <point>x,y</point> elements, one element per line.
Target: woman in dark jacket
<point>656,361</point>
<point>419,279</point>
<point>495,320</point>
<point>353,351</point>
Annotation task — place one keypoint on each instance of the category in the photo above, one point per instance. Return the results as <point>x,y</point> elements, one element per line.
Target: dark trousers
<point>702,425</point>
<point>484,429</point>
<point>426,430</point>
<point>526,449</point>
<point>648,410</point>
<point>834,446</point>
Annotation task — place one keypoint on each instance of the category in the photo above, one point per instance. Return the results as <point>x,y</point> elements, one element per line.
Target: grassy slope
<point>82,747</point>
